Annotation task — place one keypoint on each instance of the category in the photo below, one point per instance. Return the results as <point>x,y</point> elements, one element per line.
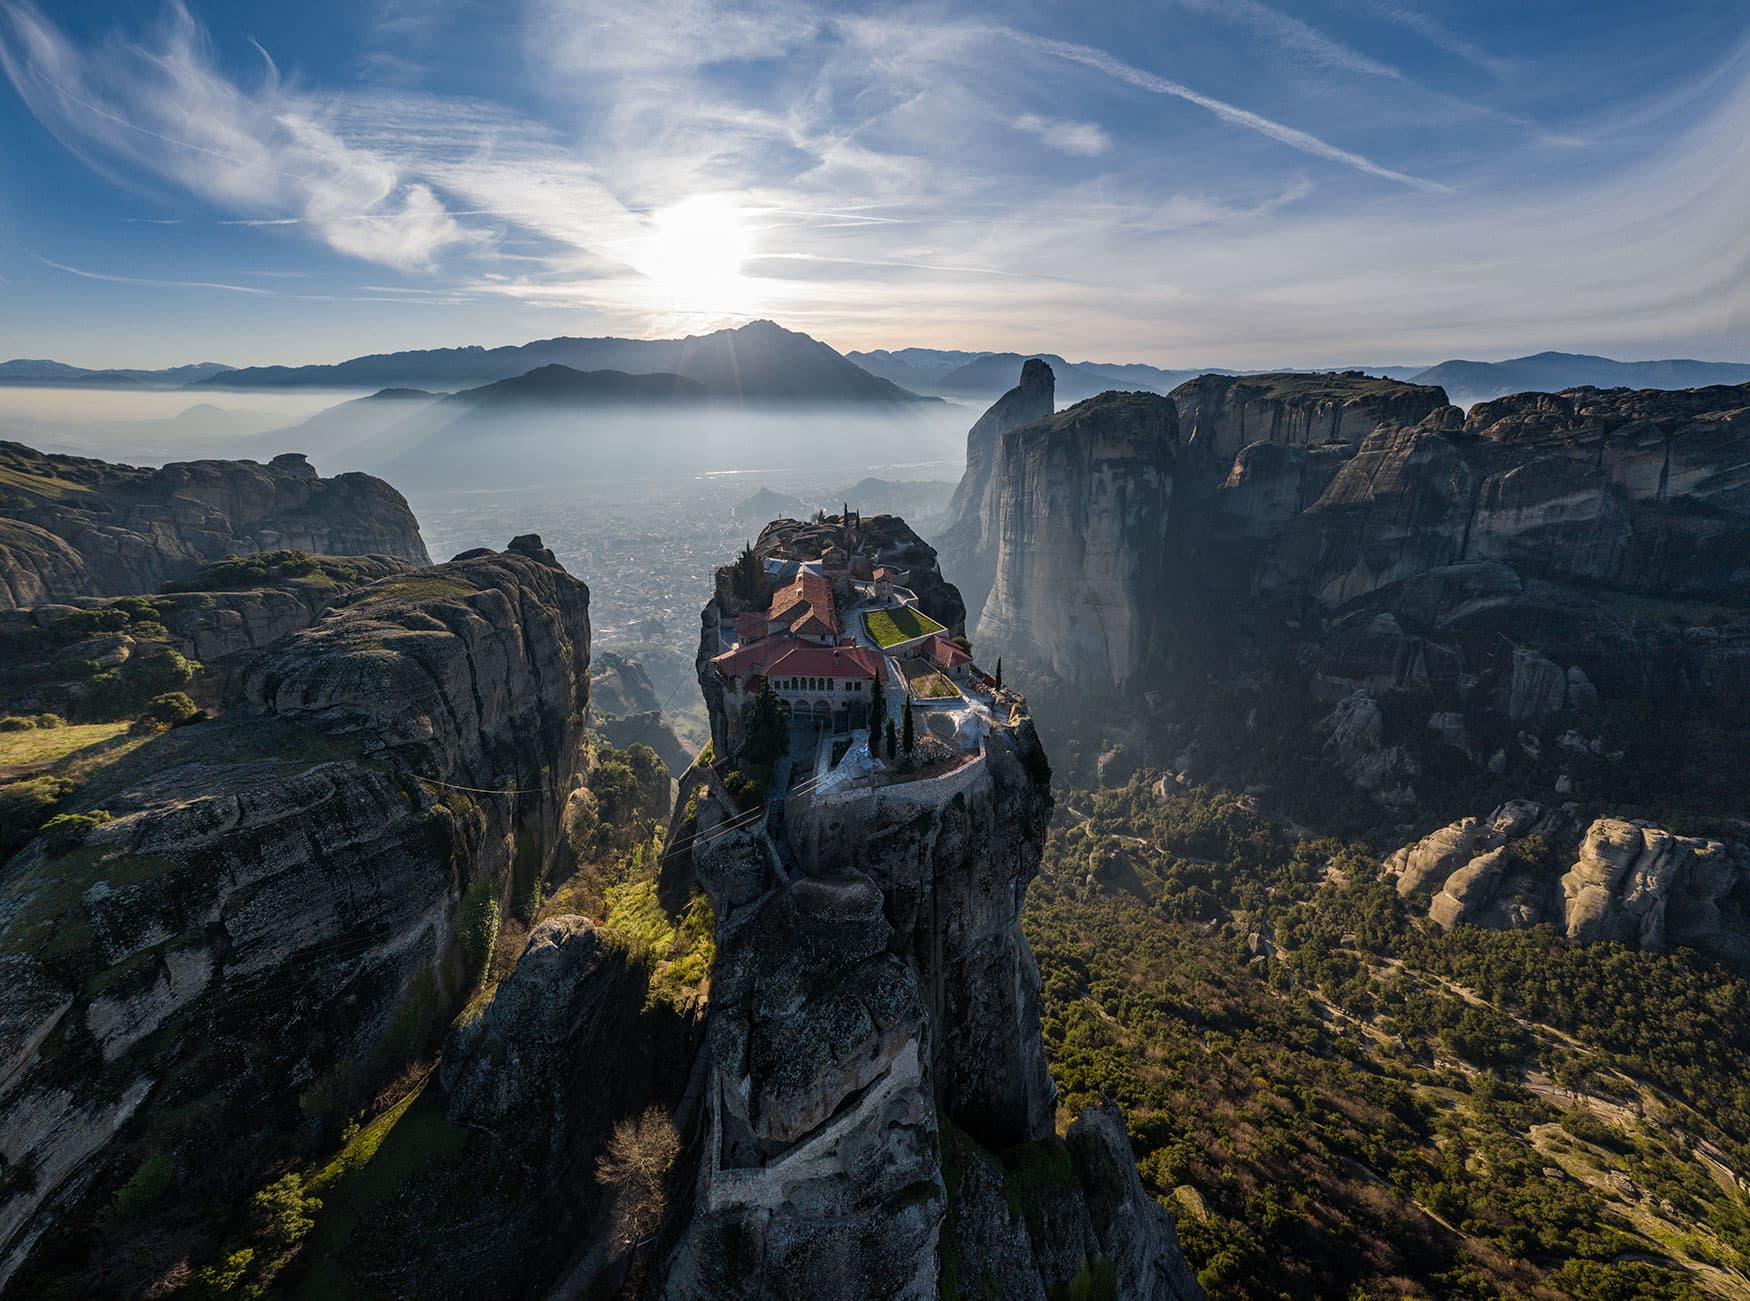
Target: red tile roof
<point>808,593</point>
<point>809,661</point>
<point>750,626</point>
<point>946,654</point>
<point>785,656</point>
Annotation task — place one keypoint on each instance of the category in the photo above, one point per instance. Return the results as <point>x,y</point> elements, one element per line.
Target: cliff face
<point>1416,590</point>
<point>873,1042</point>
<point>224,952</point>
<point>1646,491</point>
<point>1607,879</point>
<point>1220,414</point>
<point>968,542</point>
<point>71,526</point>
<point>1083,501</point>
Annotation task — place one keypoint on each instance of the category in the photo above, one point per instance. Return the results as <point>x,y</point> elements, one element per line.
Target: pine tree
<point>768,727</point>
<point>750,575</point>
<point>907,737</point>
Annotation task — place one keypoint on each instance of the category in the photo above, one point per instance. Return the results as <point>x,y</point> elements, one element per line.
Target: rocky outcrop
<point>624,708</point>
<point>875,1005</point>
<point>272,889</point>
<point>223,631</point>
<point>968,542</point>
<point>1474,577</point>
<point>71,526</point>
<point>1612,879</point>
<point>1221,414</point>
<point>512,1068</point>
<point>1083,503</point>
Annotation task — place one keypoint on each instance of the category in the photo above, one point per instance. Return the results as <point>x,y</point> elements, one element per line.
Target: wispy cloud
<point>1293,137</point>
<point>163,109</point>
<point>927,175</point>
<point>1442,37</point>
<point>1088,139</point>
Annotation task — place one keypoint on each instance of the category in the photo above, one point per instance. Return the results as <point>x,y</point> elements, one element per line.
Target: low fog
<point>424,442</point>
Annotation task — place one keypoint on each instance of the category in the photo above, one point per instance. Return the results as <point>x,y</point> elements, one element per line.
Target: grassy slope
<point>41,746</point>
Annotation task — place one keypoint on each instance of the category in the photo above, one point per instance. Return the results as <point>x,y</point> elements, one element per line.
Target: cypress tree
<point>892,740</point>
<point>907,736</point>
<point>999,673</point>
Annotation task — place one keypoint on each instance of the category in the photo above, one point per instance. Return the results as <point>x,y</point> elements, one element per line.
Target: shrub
<point>145,1188</point>
<point>171,709</point>
<point>635,1166</point>
<point>65,831</point>
<point>477,925</point>
<point>49,721</point>
<point>16,723</point>
<point>285,1213</point>
<point>25,806</point>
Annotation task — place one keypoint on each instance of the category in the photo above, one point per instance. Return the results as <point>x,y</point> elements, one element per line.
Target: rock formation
<point>223,630</point>
<point>874,1006</point>
<point>1611,879</point>
<point>1405,581</point>
<point>71,526</point>
<point>1083,501</point>
<point>968,542</point>
<point>1220,414</point>
<point>268,891</point>
<point>624,708</point>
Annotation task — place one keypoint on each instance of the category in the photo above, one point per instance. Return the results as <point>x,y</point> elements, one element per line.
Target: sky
<point>1181,182</point>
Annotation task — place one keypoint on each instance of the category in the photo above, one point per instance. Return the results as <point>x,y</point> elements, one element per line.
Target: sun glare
<point>693,252</point>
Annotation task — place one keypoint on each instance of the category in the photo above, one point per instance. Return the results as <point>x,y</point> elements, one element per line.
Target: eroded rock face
<point>274,884</point>
<point>1475,576</point>
<point>968,542</point>
<point>71,526</point>
<point>1626,881</point>
<point>1221,414</point>
<point>513,1068</point>
<point>1083,502</point>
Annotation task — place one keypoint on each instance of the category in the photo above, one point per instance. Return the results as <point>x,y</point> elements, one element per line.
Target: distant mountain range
<point>985,375</point>
<point>24,371</point>
<point>757,362</point>
<point>1469,382</point>
<point>763,362</point>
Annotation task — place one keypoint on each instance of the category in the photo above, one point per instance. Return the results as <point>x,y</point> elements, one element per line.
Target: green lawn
<point>902,623</point>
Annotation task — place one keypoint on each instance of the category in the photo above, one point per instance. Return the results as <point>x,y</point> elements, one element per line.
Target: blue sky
<point>1187,182</point>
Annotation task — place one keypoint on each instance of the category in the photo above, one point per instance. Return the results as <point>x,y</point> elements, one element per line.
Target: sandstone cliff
<point>215,960</point>
<point>71,526</point>
<point>1607,879</point>
<point>1407,587</point>
<point>968,543</point>
<point>1083,503</point>
<point>1220,414</point>
<point>222,626</point>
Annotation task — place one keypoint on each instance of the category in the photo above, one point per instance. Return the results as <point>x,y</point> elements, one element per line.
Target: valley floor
<point>1338,1102</point>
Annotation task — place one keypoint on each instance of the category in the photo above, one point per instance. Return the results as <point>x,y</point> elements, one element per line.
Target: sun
<point>692,255</point>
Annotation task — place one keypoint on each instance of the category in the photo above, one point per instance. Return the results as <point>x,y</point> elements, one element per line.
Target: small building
<point>949,657</point>
<point>804,607</point>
